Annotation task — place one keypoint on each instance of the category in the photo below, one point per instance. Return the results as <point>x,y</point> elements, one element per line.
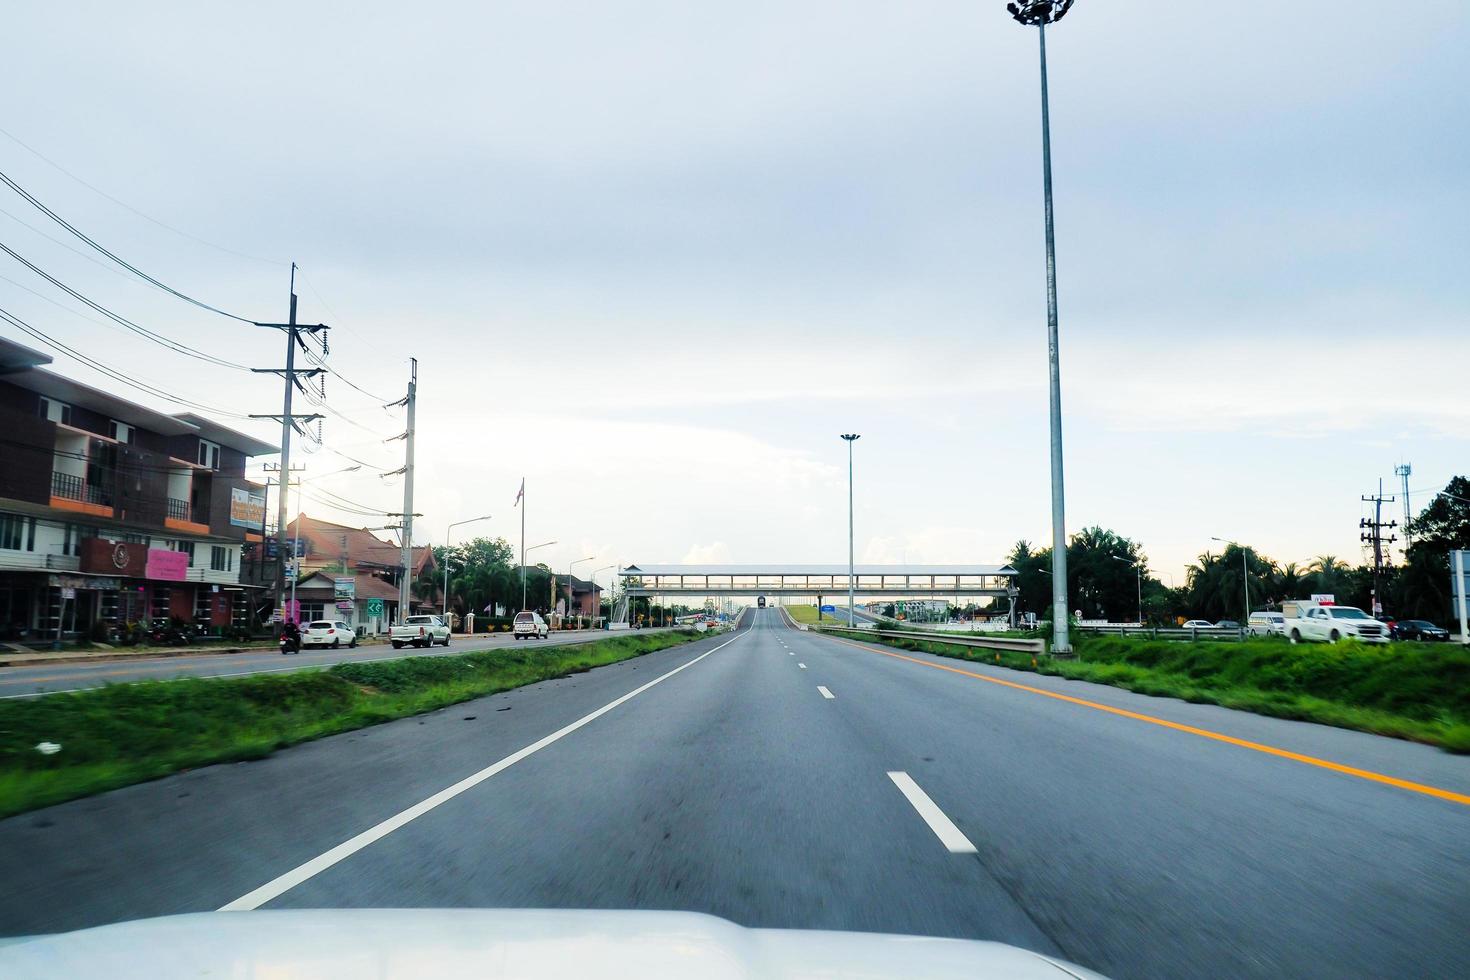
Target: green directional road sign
<point>374,607</point>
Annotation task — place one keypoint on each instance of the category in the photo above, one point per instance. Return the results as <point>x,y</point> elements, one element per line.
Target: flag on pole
<point>520,493</point>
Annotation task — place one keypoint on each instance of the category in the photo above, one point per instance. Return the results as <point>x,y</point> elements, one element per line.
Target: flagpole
<point>521,499</point>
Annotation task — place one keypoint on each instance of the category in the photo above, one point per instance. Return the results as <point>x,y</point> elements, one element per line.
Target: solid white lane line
<point>949,835</point>
<point>284,883</point>
<point>826,693</point>
<point>802,666</point>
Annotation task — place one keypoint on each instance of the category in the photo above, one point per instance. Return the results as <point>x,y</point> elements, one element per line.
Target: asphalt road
<point>924,796</point>
<point>41,679</point>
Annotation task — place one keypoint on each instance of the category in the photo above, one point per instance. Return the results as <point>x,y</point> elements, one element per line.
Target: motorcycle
<point>290,640</point>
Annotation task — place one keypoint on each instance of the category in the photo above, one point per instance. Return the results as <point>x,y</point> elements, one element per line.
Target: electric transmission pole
<point>410,401</point>
<point>1402,471</point>
<point>1373,532</point>
<point>289,421</point>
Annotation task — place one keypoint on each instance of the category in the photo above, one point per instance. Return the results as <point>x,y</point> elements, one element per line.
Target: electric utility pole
<point>410,401</point>
<point>289,421</point>
<point>1373,532</point>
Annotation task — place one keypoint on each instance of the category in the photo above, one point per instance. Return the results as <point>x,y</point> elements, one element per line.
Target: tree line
<point>1102,584</point>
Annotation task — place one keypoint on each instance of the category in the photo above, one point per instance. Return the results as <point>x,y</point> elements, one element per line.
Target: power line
<point>126,206</point>
<point>115,375</point>
<point>153,335</point>
<point>80,235</point>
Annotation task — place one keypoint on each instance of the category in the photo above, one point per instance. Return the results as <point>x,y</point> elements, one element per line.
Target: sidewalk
<point>42,657</point>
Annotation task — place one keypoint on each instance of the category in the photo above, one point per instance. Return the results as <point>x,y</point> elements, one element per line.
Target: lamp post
<point>524,553</point>
<point>849,438</point>
<point>571,566</point>
<point>447,531</point>
<point>1245,583</point>
<point>1039,13</point>
<point>1137,571</point>
<point>597,572</point>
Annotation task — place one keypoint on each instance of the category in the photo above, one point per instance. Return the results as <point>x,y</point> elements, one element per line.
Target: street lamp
<point>571,566</point>
<point>524,553</point>
<point>1039,13</point>
<point>849,438</point>
<point>447,530</point>
<point>596,572</point>
<point>1245,585</point>
<point>1138,571</point>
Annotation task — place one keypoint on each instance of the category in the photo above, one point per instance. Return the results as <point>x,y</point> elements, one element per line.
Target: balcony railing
<point>179,510</point>
<point>73,487</point>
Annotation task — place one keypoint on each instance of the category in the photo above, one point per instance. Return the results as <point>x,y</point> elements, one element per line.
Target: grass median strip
<point>128,733</point>
<point>1416,691</point>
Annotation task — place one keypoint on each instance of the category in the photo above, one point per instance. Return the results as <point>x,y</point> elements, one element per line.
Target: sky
<point>653,258</point>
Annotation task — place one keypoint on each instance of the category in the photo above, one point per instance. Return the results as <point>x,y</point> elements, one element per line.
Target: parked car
<point>1316,621</point>
<point>1199,624</point>
<point>1417,629</point>
<point>328,633</point>
<point>1227,624</point>
<point>419,631</point>
<point>529,623</point>
<point>1266,624</point>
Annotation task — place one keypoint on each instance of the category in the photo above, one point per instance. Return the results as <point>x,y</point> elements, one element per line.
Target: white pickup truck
<point>1328,622</point>
<point>419,631</point>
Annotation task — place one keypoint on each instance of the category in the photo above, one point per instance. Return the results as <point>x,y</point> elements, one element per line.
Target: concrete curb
<point>100,656</point>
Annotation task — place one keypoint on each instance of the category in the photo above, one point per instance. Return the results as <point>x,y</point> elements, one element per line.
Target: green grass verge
<point>1417,691</point>
<point>127,733</point>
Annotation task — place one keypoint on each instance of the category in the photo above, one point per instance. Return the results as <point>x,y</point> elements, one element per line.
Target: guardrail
<point>1011,644</point>
<point>1170,632</point>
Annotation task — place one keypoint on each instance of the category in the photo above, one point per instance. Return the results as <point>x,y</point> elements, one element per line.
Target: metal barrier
<point>1036,647</point>
<point>1169,632</point>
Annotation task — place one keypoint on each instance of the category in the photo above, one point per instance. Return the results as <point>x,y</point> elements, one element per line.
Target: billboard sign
<point>1324,598</point>
<point>246,509</point>
<point>166,566</point>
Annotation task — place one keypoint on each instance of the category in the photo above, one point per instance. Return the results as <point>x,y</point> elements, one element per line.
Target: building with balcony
<point>111,511</point>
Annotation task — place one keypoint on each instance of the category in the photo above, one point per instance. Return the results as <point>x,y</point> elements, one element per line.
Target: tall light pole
<point>1245,582</point>
<point>849,438</point>
<point>524,553</point>
<point>447,530</point>
<point>596,572</point>
<point>1138,571</point>
<point>1039,13</point>
<point>571,566</point>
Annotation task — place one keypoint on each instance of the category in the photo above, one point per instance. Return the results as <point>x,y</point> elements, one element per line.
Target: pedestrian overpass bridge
<point>819,581</point>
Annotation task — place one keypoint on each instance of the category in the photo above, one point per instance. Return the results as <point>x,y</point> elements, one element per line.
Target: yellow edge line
<point>1309,760</point>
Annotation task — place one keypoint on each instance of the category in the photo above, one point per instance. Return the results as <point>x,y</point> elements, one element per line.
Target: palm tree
<point>1327,574</point>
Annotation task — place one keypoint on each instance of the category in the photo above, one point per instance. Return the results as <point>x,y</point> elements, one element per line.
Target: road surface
<point>41,679</point>
<point>782,778</point>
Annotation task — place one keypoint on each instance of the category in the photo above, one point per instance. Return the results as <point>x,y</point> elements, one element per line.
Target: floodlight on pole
<point>1039,13</point>
<point>849,438</point>
<point>524,553</point>
<point>447,531</point>
<point>1138,571</point>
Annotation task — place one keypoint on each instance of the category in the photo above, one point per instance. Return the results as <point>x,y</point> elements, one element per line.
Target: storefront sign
<point>113,557</point>
<point>344,589</point>
<point>166,566</point>
<point>97,582</point>
<point>246,509</point>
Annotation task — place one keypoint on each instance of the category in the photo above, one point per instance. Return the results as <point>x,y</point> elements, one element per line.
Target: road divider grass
<point>66,746</point>
<point>1417,691</point>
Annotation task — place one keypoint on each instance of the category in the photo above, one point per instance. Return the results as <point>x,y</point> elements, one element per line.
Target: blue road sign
<point>829,609</point>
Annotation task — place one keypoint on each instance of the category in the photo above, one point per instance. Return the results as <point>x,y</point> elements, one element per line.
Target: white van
<point>531,624</point>
<point>1266,624</point>
<point>1317,621</point>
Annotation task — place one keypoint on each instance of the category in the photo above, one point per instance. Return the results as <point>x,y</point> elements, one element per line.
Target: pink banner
<point>167,566</point>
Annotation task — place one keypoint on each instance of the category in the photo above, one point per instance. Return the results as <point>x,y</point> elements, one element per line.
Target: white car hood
<point>487,943</point>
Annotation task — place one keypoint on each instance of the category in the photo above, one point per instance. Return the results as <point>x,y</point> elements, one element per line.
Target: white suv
<point>328,633</point>
<point>531,624</point>
<point>1315,621</point>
